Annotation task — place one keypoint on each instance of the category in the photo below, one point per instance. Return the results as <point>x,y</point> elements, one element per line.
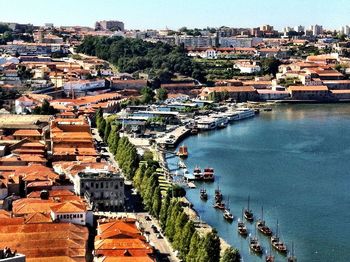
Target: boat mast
<point>262,213</point>
<point>248,202</point>
<point>277,229</point>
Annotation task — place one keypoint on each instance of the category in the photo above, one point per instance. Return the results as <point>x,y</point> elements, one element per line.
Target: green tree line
<point>124,152</point>
<point>160,60</point>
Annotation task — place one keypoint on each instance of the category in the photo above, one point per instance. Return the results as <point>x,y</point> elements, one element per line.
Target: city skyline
<point>166,14</point>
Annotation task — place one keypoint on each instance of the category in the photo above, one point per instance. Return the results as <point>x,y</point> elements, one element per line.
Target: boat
<point>182,151</point>
<point>227,213</point>
<point>191,185</point>
<point>268,109</point>
<point>248,214</point>
<point>269,257</point>
<point>243,113</point>
<point>241,228</point>
<point>194,131</point>
<point>208,174</point>
<point>181,164</point>
<point>219,205</point>
<point>218,195</point>
<point>203,194</point>
<point>277,243</point>
<point>292,257</point>
<point>261,225</point>
<point>197,173</point>
<point>206,123</point>
<point>254,245</point>
<point>221,121</point>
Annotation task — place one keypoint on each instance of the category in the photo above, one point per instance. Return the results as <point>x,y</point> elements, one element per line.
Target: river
<point>295,161</point>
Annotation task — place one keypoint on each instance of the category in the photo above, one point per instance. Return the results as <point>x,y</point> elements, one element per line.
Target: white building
<point>82,86</point>
<point>345,30</point>
<point>316,30</point>
<point>70,212</point>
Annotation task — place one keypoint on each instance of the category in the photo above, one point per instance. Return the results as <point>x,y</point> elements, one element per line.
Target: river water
<point>295,161</point>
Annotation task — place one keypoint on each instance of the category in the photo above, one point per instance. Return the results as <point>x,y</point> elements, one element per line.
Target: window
<point>116,186</point>
<point>96,185</point>
<point>101,184</point>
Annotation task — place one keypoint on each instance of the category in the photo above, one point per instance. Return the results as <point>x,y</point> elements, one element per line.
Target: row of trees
<point>178,228</point>
<point>160,60</point>
<point>125,153</point>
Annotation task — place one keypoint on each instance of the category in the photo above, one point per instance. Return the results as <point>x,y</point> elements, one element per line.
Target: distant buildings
<point>111,25</point>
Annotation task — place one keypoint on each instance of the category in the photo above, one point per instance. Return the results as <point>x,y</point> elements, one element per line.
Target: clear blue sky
<point>157,14</point>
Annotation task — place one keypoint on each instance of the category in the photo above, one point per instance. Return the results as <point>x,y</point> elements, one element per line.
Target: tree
<point>107,130</point>
<point>162,94</point>
<point>172,216</point>
<point>181,221</point>
<point>186,236</point>
<point>163,214</point>
<point>270,65</point>
<point>44,109</point>
<point>157,202</point>
<point>98,116</point>
<point>194,251</point>
<point>231,255</point>
<point>147,95</point>
<point>138,176</point>
<point>177,191</point>
<point>211,246</point>
<point>101,127</point>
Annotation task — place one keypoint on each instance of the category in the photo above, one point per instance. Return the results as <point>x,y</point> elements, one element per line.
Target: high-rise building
<point>316,30</point>
<point>345,30</point>
<point>110,25</point>
<point>299,28</point>
<point>266,28</point>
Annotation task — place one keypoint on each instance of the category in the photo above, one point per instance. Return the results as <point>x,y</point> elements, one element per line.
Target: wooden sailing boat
<point>182,151</point>
<point>261,225</point>
<point>269,257</point>
<point>254,245</point>
<point>241,228</point>
<point>292,257</point>
<point>227,213</point>
<point>203,194</point>
<point>248,214</point>
<point>277,243</point>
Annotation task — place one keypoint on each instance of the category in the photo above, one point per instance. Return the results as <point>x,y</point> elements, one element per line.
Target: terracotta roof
<point>231,89</point>
<point>25,132</point>
<point>308,88</point>
<point>45,239</point>
<point>35,218</point>
<point>68,207</point>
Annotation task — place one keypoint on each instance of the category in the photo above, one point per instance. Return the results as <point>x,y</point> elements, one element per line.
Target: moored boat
<point>197,173</point>
<point>218,195</point>
<point>208,174</point>
<point>255,246</point>
<point>227,212</point>
<point>261,225</point>
<point>248,213</point>
<point>203,194</point>
<point>277,243</point>
<point>182,151</point>
<point>241,228</point>
<point>228,215</point>
<point>292,257</point>
<point>219,205</point>
<point>181,164</point>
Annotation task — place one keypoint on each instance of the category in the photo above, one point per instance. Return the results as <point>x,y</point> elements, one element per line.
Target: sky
<point>173,14</point>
